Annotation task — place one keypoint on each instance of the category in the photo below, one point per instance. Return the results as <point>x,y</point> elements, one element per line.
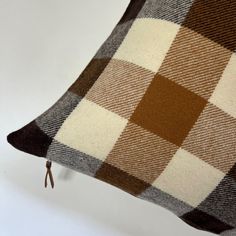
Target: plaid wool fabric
<point>154,112</point>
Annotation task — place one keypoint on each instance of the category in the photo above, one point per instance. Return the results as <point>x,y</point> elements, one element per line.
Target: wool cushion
<point>154,112</point>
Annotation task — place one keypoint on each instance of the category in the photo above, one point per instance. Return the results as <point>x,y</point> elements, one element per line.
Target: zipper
<point>48,174</point>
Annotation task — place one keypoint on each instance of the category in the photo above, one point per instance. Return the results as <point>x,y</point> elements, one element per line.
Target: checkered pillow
<point>154,112</point>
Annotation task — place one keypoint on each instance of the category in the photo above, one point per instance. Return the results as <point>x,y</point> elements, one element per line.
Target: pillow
<point>154,112</point>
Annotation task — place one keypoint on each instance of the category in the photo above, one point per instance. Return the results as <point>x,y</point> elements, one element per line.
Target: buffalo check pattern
<point>154,112</point>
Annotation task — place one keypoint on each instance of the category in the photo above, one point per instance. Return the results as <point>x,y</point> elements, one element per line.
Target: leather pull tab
<point>49,174</point>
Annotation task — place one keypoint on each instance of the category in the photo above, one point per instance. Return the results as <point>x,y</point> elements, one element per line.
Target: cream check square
<point>224,95</point>
<point>157,34</point>
<point>91,129</point>
<point>188,178</point>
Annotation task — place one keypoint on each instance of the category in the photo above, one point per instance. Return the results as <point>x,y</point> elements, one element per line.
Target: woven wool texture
<point>154,112</point>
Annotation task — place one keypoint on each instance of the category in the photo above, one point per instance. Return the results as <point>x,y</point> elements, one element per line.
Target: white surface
<point>44,45</point>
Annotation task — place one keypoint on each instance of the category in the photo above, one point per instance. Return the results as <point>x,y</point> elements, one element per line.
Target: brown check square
<point>168,110</point>
<point>213,138</point>
<point>188,64</point>
<point>127,84</point>
<point>141,154</point>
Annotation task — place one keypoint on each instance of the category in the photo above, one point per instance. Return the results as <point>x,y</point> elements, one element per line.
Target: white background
<point>44,45</point>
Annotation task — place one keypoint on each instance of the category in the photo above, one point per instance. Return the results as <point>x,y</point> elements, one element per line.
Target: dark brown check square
<point>202,220</point>
<point>215,20</point>
<point>121,179</point>
<point>89,76</point>
<point>221,203</point>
